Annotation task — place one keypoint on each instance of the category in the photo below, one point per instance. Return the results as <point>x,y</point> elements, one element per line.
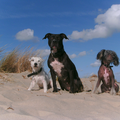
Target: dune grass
<point>17,60</point>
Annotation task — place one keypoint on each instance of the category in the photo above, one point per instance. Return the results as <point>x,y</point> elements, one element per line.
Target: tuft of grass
<point>8,62</point>
<point>17,61</point>
<point>23,63</point>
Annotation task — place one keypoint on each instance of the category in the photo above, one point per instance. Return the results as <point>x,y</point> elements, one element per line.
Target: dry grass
<point>93,76</point>
<point>17,61</point>
<point>8,62</point>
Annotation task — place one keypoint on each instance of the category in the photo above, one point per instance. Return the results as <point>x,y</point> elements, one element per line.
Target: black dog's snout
<point>35,64</point>
<point>54,42</point>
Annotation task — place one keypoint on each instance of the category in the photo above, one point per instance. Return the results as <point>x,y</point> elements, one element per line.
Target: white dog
<point>39,75</point>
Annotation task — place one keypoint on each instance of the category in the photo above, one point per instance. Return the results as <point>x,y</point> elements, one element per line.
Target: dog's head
<point>55,41</point>
<point>108,56</point>
<point>36,63</point>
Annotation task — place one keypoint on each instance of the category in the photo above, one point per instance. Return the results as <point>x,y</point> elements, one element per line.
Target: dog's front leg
<point>45,85</point>
<point>97,85</point>
<point>53,75</point>
<point>113,92</point>
<point>71,74</point>
<point>32,84</point>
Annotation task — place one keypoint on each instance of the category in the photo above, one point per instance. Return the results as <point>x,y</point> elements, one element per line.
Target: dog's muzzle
<point>54,49</point>
<point>35,64</point>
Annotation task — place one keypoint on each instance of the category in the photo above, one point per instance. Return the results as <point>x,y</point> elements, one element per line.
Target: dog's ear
<point>115,59</point>
<point>30,59</point>
<point>41,60</point>
<point>47,35</point>
<point>100,55</point>
<point>64,36</point>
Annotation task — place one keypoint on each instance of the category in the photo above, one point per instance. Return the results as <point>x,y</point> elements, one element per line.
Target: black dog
<point>60,65</point>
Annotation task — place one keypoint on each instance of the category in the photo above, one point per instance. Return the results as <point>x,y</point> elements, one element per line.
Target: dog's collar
<point>35,73</point>
<point>107,66</point>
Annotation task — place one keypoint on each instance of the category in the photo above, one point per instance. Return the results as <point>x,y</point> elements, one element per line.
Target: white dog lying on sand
<point>39,75</point>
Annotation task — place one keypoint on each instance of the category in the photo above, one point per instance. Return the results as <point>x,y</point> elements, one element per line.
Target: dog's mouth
<point>35,66</point>
<point>54,49</point>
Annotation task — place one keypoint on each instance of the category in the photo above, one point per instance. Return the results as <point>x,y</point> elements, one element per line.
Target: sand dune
<point>17,103</point>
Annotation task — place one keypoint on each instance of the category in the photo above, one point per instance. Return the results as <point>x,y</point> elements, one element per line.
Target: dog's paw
<point>55,90</point>
<point>29,89</point>
<point>71,91</point>
<point>45,91</point>
<point>96,92</point>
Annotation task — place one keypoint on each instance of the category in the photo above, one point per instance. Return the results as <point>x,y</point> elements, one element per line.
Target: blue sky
<point>91,25</point>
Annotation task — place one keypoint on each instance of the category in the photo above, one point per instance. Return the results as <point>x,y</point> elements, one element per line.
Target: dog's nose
<point>54,40</point>
<point>35,64</point>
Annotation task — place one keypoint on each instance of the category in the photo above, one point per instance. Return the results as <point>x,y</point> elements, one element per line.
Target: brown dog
<point>105,73</point>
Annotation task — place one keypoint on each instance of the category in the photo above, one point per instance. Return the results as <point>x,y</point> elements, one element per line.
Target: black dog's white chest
<point>57,66</point>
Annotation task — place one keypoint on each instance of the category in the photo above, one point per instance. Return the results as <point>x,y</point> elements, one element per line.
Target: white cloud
<point>43,52</point>
<point>107,24</point>
<point>72,56</point>
<point>26,34</point>
<point>96,63</point>
<point>82,53</point>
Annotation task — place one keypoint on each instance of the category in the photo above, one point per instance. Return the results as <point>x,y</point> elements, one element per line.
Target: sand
<point>17,103</point>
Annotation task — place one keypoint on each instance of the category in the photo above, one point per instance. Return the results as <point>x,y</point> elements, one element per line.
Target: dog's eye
<point>38,60</point>
<point>51,38</point>
<point>58,38</point>
<point>32,60</point>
